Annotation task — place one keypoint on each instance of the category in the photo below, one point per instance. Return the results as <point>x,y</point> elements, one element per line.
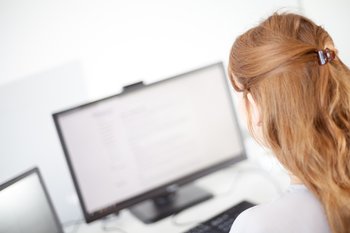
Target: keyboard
<point>221,223</point>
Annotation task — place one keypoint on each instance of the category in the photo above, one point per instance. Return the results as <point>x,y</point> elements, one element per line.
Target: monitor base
<point>152,210</point>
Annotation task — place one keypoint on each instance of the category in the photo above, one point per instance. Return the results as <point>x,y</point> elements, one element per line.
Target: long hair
<point>304,106</point>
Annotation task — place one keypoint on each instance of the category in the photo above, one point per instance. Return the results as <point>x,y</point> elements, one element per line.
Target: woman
<point>297,95</point>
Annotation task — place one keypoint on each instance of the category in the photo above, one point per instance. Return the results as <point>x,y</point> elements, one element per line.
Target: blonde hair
<point>304,107</point>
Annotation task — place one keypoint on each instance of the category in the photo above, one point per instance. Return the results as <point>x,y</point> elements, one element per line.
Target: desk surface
<point>243,181</point>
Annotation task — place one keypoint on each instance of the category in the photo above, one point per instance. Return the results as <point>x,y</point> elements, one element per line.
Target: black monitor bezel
<point>35,170</point>
<point>114,208</point>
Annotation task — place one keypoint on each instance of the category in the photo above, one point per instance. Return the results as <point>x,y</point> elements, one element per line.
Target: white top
<point>297,211</point>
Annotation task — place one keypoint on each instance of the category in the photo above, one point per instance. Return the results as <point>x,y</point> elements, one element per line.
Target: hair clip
<point>325,56</point>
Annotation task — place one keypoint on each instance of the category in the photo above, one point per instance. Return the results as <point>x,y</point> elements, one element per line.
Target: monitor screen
<point>25,206</point>
<point>127,147</point>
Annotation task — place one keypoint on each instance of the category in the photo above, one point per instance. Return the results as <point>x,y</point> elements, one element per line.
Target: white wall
<point>120,42</point>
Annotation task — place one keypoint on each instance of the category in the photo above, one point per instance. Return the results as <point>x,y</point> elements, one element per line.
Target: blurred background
<point>57,54</point>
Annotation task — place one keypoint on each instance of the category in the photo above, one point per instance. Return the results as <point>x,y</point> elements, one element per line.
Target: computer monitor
<point>25,206</point>
<point>139,148</point>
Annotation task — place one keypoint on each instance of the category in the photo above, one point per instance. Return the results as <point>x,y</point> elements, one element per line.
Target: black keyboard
<point>221,223</point>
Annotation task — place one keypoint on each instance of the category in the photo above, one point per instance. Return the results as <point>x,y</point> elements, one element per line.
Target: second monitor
<point>139,148</point>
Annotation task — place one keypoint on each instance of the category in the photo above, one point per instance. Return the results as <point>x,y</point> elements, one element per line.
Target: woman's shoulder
<point>296,211</point>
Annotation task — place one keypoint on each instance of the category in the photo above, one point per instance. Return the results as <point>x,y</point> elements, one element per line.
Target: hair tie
<point>325,56</point>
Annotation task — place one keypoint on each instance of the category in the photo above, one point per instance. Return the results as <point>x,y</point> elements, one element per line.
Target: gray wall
<point>27,134</point>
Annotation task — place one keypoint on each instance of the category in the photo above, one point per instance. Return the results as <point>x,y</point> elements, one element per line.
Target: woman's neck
<point>294,179</point>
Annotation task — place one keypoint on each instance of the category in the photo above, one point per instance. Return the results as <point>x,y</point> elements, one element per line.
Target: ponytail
<point>305,105</point>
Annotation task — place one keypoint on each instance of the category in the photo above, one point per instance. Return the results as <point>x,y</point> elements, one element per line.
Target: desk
<point>243,181</point>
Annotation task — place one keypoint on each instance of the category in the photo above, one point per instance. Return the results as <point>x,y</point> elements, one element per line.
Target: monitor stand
<point>173,201</point>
